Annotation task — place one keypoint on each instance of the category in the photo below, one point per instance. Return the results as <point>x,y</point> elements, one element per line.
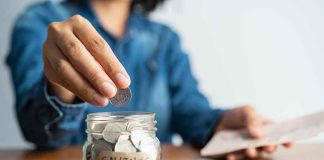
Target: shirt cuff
<point>212,120</point>
<point>69,114</point>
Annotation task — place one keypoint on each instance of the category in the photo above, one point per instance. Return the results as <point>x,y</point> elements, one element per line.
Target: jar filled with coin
<point>121,135</point>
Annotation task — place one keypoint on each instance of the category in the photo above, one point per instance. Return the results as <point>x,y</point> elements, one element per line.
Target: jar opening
<point>112,122</point>
<point>124,115</point>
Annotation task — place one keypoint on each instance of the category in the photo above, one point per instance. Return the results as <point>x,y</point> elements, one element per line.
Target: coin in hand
<point>122,97</point>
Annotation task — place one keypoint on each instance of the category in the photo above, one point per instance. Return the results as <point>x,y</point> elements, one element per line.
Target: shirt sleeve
<point>44,119</point>
<point>192,116</point>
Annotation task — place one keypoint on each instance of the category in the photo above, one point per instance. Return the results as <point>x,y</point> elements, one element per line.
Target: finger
<point>64,94</point>
<point>255,132</point>
<point>288,145</point>
<point>236,155</point>
<point>231,157</point>
<point>269,149</point>
<point>254,122</point>
<point>251,153</point>
<point>66,76</point>
<point>85,64</point>
<point>102,52</point>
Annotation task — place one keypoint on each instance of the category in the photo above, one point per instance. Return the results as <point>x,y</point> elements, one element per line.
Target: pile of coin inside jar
<point>121,136</point>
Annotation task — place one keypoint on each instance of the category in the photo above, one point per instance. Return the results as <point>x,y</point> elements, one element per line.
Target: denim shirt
<point>162,81</point>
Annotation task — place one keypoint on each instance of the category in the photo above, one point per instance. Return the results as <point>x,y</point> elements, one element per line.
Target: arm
<point>44,120</point>
<point>192,116</point>
<point>77,62</point>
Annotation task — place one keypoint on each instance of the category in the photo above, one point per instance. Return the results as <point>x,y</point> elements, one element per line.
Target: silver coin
<point>97,136</point>
<point>137,136</point>
<point>123,137</point>
<point>97,127</point>
<point>148,145</point>
<point>124,145</point>
<point>100,146</point>
<point>122,97</point>
<point>113,131</point>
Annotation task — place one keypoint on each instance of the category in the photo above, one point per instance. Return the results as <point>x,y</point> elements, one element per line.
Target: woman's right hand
<point>79,62</point>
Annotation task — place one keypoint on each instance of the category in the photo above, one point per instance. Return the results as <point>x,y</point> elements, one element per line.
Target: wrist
<point>223,123</point>
<point>60,92</point>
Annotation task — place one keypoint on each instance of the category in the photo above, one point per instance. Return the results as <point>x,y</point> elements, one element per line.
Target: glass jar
<point>121,136</point>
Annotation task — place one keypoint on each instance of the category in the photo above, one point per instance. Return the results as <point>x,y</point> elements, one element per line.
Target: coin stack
<point>125,137</point>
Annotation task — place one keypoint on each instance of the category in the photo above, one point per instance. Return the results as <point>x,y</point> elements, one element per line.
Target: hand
<point>246,117</point>
<point>79,62</point>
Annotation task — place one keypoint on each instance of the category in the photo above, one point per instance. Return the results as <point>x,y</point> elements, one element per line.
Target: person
<point>67,58</point>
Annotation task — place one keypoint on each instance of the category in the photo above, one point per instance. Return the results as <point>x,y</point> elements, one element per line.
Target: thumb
<point>254,123</point>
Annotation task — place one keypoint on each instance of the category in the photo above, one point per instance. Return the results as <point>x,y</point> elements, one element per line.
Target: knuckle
<point>61,66</point>
<point>98,43</point>
<point>77,19</point>
<point>73,48</point>
<point>248,109</point>
<point>112,67</point>
<point>54,27</point>
<point>94,76</point>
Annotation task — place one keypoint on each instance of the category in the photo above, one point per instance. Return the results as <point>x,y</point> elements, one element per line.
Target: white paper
<point>275,133</point>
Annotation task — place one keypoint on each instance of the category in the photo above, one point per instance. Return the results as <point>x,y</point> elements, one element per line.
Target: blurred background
<point>269,54</point>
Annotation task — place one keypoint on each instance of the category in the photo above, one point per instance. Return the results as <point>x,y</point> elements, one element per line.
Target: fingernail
<point>100,100</point>
<point>108,89</point>
<point>122,80</point>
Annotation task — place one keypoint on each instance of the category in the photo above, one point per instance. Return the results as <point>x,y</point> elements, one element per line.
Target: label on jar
<point>109,155</point>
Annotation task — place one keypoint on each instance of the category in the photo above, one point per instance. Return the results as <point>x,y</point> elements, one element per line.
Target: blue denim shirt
<point>162,81</point>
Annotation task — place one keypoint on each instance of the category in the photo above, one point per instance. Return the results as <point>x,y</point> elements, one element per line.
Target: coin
<point>122,97</point>
<point>147,146</point>
<point>124,137</point>
<point>136,137</point>
<point>97,127</point>
<point>112,131</point>
<point>97,136</point>
<point>124,145</point>
<point>100,146</point>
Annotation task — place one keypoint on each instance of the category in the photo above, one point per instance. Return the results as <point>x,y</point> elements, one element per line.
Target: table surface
<point>298,152</point>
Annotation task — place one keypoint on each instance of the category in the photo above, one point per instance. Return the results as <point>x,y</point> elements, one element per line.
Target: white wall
<point>10,135</point>
<point>265,53</point>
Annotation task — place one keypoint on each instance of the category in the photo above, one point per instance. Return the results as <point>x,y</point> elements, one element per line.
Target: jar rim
<point>104,116</point>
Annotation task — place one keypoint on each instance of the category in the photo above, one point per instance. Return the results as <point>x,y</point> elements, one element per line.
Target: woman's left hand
<point>246,117</point>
